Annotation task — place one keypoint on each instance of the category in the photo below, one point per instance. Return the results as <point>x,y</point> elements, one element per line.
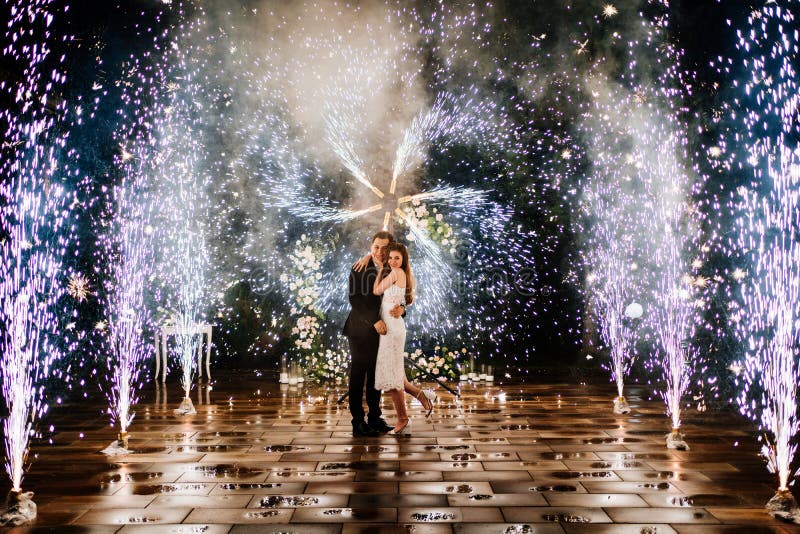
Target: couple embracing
<point>381,285</point>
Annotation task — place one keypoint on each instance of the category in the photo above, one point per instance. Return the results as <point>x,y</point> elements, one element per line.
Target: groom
<point>363,329</point>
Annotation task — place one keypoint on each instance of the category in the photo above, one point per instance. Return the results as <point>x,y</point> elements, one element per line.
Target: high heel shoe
<point>404,430</point>
<point>428,396</point>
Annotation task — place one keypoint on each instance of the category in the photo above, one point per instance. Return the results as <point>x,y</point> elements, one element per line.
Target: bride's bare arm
<point>382,285</point>
<point>362,263</point>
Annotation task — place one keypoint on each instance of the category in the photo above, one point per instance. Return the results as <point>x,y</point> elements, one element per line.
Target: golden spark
<point>78,287</point>
<point>609,10</point>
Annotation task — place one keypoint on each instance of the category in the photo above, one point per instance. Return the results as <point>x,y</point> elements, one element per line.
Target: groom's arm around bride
<point>362,328</point>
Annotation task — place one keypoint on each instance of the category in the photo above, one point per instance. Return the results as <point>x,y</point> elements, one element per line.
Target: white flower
<point>439,217</point>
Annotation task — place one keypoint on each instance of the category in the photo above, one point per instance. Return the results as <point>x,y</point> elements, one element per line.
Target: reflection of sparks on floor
<point>531,458</point>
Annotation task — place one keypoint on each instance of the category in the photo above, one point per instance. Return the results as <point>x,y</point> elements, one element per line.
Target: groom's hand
<point>397,311</point>
<point>380,327</point>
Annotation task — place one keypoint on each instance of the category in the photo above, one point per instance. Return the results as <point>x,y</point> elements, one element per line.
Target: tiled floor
<point>505,458</point>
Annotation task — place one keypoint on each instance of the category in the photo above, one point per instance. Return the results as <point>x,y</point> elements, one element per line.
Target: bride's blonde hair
<point>410,281</point>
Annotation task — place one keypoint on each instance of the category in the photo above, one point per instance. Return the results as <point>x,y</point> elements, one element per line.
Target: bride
<point>396,283</point>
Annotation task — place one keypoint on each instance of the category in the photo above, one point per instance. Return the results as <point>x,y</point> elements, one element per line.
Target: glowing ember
<point>78,287</point>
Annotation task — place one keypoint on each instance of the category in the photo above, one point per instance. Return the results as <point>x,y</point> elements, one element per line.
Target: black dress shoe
<point>380,426</point>
<point>362,430</point>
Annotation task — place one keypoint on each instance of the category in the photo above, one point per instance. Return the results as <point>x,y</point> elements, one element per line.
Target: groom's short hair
<point>383,234</point>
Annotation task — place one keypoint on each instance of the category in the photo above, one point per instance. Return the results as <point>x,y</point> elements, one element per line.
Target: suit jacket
<point>365,307</point>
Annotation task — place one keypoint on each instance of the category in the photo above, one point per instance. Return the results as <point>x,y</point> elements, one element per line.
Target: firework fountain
<point>674,230</point>
<point>613,283</point>
<point>176,153</point>
<point>33,209</point>
<point>611,209</point>
<point>769,225</point>
<point>128,250</point>
<point>674,315</point>
<point>675,224</point>
<point>187,258</point>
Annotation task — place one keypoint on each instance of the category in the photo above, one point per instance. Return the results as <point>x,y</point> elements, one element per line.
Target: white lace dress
<point>390,367</point>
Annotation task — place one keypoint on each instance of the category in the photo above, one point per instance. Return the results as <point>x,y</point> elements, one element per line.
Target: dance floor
<point>505,458</point>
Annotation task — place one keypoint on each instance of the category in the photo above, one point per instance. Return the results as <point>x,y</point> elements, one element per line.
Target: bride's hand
<point>362,264</point>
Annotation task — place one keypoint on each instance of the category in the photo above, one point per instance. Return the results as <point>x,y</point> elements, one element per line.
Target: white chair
<point>164,332</point>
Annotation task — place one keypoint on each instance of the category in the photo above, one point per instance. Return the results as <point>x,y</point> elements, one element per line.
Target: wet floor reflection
<point>547,457</point>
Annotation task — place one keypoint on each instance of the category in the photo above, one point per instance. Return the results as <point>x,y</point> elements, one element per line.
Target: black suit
<point>363,339</point>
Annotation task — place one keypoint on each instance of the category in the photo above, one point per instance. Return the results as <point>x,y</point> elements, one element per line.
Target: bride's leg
<point>411,389</point>
<point>399,402</point>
